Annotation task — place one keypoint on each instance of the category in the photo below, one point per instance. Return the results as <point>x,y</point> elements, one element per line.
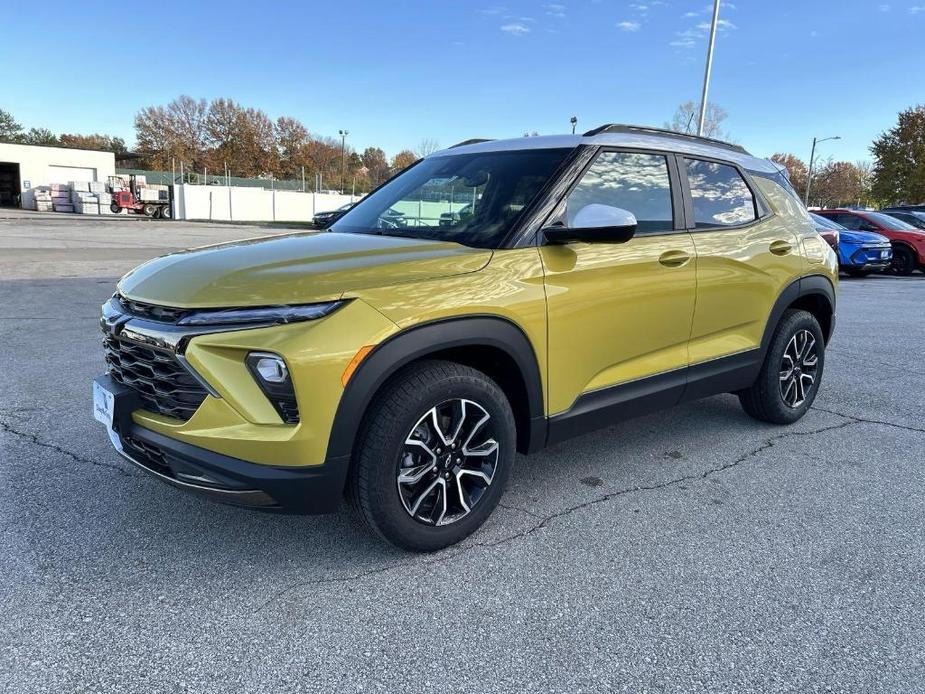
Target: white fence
<point>240,204</point>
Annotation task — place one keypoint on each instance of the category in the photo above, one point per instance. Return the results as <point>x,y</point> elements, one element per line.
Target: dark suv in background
<point>907,241</point>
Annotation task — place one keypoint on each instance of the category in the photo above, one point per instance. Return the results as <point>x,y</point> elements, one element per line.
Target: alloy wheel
<point>448,462</point>
<point>798,368</point>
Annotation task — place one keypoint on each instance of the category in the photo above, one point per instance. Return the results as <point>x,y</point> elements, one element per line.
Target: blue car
<point>859,252</point>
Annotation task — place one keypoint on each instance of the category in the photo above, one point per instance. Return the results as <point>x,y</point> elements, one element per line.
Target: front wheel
<point>434,455</point>
<point>792,369</point>
<point>903,261</point>
<point>116,209</point>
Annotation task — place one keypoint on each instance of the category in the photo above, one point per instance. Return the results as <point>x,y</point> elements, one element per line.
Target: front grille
<point>161,314</point>
<point>161,382</point>
<point>147,454</point>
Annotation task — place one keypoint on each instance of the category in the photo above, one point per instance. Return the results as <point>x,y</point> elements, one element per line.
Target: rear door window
<point>720,195</point>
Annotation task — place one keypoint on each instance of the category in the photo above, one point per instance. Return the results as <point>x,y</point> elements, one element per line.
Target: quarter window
<point>632,181</point>
<point>720,195</point>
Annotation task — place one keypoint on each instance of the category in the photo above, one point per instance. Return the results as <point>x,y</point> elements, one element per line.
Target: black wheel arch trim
<point>419,341</point>
<point>809,285</point>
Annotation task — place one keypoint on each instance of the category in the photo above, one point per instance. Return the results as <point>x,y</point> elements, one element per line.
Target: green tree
<point>41,136</point>
<point>899,160</point>
<point>10,130</point>
<point>98,141</point>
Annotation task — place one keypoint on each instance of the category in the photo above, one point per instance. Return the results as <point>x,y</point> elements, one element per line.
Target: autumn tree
<point>377,166</point>
<point>403,160</point>
<point>98,141</point>
<point>176,131</point>
<point>244,139</point>
<point>796,170</point>
<point>899,160</point>
<point>836,184</point>
<point>291,138</point>
<point>10,130</point>
<point>687,116</point>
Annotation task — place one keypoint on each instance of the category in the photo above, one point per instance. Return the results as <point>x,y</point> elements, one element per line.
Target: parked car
<point>859,252</point>
<point>907,241</point>
<point>325,219</point>
<point>605,275</point>
<point>452,218</point>
<point>911,217</point>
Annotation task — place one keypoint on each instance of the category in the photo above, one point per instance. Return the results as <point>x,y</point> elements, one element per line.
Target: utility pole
<point>343,159</point>
<point>709,68</point>
<point>812,157</point>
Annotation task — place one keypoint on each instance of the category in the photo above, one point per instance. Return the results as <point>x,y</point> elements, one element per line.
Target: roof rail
<point>662,132</point>
<point>473,141</point>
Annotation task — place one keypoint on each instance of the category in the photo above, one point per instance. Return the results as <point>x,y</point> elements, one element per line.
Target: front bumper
<point>870,258</point>
<point>300,490</point>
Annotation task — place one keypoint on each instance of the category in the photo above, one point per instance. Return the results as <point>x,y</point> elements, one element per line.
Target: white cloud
<point>629,25</point>
<point>515,28</point>
<point>916,9</point>
<point>555,10</point>
<point>884,8</point>
<point>489,11</point>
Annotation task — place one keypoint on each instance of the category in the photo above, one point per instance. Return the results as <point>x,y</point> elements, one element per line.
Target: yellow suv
<point>495,297</point>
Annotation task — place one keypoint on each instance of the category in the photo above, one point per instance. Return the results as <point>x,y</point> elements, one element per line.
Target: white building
<point>25,167</point>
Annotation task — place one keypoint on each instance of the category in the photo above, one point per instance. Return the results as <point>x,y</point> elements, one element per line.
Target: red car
<point>907,241</point>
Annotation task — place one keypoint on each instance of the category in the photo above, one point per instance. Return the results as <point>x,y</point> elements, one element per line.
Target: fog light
<point>272,375</point>
<point>272,369</point>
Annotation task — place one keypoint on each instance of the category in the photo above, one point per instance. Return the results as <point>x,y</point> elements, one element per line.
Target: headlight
<point>266,315</point>
<point>272,375</point>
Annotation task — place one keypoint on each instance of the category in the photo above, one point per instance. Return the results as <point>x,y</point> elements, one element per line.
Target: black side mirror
<point>595,223</point>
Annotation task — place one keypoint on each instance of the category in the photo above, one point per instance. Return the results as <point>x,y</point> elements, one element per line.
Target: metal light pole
<point>709,68</point>
<point>574,121</point>
<point>812,157</point>
<point>343,159</point>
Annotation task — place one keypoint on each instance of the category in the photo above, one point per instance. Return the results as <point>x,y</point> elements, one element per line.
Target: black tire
<point>857,272</point>
<point>149,210</point>
<point>115,208</point>
<point>165,212</point>
<point>766,399</point>
<point>903,261</point>
<point>401,413</point>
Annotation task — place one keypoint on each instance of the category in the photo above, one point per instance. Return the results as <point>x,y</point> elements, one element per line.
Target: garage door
<point>63,174</point>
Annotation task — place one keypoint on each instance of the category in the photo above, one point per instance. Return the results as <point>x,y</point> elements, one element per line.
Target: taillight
<point>831,238</point>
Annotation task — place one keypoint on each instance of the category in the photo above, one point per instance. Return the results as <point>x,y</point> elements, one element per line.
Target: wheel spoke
<point>423,495</point>
<point>478,474</point>
<point>413,475</point>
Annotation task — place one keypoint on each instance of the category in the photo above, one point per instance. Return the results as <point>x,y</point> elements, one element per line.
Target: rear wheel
<point>903,261</point>
<point>434,455</point>
<point>165,212</point>
<point>149,210</point>
<point>792,369</point>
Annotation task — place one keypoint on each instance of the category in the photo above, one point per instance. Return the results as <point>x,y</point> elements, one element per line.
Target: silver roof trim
<point>661,143</point>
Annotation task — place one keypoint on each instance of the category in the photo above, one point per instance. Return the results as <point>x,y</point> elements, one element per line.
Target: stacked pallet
<point>105,202</point>
<point>61,197</point>
<point>84,202</point>
<point>154,192</point>
<point>43,199</point>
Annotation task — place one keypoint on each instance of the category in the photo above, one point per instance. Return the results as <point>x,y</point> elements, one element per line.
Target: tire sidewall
<point>382,497</point>
<point>792,324</point>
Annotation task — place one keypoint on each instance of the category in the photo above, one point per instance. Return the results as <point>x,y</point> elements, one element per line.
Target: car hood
<point>294,268</point>
<point>851,236</point>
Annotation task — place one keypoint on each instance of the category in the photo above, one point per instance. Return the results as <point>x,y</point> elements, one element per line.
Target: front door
<point>620,312</point>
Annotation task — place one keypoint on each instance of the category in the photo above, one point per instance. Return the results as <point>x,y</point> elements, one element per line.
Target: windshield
<point>824,223</point>
<point>472,199</point>
<point>888,222</point>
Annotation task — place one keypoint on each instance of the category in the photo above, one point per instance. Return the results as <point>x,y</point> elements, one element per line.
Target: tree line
<point>223,135</point>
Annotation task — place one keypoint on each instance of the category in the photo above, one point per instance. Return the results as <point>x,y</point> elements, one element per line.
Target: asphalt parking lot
<point>690,550</point>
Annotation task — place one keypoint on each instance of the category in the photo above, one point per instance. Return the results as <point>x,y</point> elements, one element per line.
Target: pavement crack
<point>865,420</point>
<point>544,521</point>
<point>33,439</point>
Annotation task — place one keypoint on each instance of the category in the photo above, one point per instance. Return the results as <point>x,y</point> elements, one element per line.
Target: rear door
<point>621,312</point>
<point>745,258</point>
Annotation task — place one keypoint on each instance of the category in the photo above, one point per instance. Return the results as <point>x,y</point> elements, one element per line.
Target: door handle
<point>780,247</point>
<point>674,258</point>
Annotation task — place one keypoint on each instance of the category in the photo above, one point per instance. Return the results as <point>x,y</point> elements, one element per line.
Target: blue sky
<point>395,73</point>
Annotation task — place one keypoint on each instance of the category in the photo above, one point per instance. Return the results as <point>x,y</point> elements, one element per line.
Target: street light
<point>709,68</point>
<point>812,157</point>
<point>574,121</point>
<point>343,159</point>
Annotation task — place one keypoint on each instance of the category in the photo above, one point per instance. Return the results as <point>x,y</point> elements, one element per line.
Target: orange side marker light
<point>354,363</point>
